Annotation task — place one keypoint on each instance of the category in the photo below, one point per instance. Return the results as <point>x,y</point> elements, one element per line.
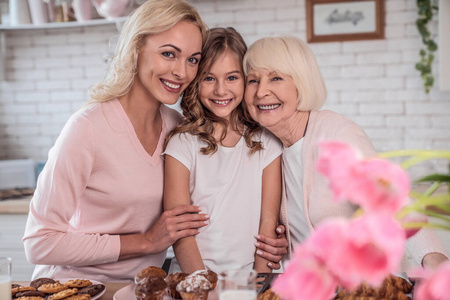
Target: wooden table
<point>111,288</point>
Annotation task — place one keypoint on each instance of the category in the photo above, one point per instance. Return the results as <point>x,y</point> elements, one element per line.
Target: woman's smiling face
<point>271,97</point>
<point>168,62</point>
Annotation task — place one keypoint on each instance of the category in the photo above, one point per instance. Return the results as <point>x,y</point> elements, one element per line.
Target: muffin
<point>194,287</point>
<point>210,275</point>
<point>172,280</point>
<point>150,288</point>
<point>149,272</point>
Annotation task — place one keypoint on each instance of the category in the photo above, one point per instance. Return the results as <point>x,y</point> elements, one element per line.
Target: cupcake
<point>210,275</point>
<point>149,272</point>
<point>172,280</point>
<point>150,288</point>
<point>194,287</point>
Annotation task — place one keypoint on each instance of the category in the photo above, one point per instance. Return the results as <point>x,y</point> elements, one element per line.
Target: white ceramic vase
<point>39,12</point>
<point>82,9</point>
<point>111,9</point>
<point>19,12</point>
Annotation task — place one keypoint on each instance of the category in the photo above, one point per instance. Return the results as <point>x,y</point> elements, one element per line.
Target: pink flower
<point>305,278</point>
<point>379,185</point>
<point>335,162</point>
<point>373,248</point>
<point>375,184</point>
<point>359,247</point>
<point>435,285</point>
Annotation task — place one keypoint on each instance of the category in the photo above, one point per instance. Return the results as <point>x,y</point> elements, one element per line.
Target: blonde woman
<point>97,211</point>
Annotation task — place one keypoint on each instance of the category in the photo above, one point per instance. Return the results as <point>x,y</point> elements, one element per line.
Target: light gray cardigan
<point>318,206</point>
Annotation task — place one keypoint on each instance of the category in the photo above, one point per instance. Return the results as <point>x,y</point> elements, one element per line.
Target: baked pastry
<point>21,288</point>
<point>52,288</point>
<point>149,272</point>
<point>78,283</point>
<point>30,294</point>
<point>40,281</point>
<point>150,288</point>
<point>268,295</point>
<point>92,290</point>
<point>194,287</point>
<point>393,287</point>
<point>63,294</point>
<point>172,280</point>
<point>210,275</point>
<point>79,297</point>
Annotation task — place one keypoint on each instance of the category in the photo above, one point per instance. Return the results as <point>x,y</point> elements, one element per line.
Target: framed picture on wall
<point>344,20</point>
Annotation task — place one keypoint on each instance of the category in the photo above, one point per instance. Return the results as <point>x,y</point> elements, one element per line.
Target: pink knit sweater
<point>328,125</point>
<point>98,183</point>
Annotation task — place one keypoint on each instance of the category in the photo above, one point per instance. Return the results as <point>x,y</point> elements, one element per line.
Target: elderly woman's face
<point>271,97</point>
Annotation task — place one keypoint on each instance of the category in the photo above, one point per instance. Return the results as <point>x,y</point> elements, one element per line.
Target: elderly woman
<point>284,93</point>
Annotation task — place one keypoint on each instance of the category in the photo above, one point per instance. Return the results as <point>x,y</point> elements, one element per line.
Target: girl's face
<point>222,89</point>
<point>271,98</point>
<point>168,62</point>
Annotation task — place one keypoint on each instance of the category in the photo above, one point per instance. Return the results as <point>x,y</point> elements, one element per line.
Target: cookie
<point>15,285</point>
<point>92,289</point>
<point>30,294</point>
<point>40,281</point>
<point>51,288</point>
<point>78,283</point>
<point>30,298</point>
<point>15,290</point>
<point>63,294</point>
<point>79,297</point>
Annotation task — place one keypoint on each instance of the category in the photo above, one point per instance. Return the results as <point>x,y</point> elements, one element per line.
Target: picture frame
<point>344,20</point>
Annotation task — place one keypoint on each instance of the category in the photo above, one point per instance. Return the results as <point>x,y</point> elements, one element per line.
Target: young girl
<point>222,161</point>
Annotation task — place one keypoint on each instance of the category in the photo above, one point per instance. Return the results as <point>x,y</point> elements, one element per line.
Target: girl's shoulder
<point>170,116</point>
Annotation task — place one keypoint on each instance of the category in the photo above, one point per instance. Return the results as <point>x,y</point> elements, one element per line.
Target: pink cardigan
<point>98,183</point>
<point>328,125</point>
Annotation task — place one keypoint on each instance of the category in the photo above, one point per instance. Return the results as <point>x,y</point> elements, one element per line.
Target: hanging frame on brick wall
<point>338,20</point>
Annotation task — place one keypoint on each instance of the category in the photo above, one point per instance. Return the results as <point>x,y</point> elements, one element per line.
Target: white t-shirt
<point>226,185</point>
<point>293,176</point>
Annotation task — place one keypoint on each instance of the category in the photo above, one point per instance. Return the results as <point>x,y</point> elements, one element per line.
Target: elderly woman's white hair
<point>152,17</point>
<point>292,57</point>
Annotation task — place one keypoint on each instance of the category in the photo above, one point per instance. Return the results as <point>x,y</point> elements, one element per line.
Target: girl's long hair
<point>199,120</point>
<point>152,17</point>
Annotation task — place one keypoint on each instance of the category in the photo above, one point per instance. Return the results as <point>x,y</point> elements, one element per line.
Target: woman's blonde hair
<point>152,17</point>
<point>292,57</point>
<point>198,119</point>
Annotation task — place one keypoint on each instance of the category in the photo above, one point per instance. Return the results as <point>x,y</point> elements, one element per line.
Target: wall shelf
<point>117,21</point>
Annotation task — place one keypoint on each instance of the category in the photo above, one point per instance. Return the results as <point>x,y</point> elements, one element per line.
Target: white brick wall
<point>48,72</point>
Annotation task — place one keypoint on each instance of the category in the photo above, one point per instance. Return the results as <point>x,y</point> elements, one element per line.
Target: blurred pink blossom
<point>435,285</point>
<point>305,278</point>
<point>375,184</point>
<point>373,247</point>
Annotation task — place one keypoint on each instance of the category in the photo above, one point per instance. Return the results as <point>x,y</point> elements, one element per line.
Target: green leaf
<point>435,177</point>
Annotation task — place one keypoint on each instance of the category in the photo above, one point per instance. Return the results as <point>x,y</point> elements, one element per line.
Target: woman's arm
<point>176,193</point>
<point>270,208</point>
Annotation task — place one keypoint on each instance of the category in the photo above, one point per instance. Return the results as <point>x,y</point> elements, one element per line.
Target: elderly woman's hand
<point>273,249</point>
<point>433,260</point>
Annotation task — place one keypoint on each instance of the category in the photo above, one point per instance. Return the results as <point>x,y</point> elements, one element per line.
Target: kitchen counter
<point>15,206</point>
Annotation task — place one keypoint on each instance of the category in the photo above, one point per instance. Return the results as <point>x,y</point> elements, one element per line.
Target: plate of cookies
<point>63,288</point>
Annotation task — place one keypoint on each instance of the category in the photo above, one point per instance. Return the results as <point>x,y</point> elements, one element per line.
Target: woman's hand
<point>273,249</point>
<point>173,224</point>
<point>433,260</point>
